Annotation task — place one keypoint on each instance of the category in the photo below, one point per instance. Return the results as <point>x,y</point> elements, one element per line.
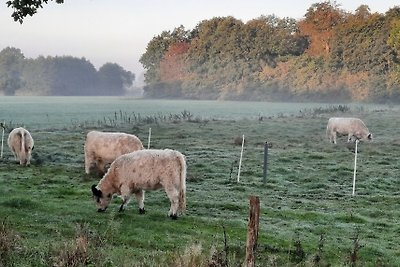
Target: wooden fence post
<point>252,231</point>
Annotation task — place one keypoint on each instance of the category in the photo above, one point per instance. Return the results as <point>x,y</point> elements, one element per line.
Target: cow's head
<point>102,201</point>
<point>365,136</point>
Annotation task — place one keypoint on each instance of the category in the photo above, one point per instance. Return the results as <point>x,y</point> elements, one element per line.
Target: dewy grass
<point>307,194</point>
<point>8,244</point>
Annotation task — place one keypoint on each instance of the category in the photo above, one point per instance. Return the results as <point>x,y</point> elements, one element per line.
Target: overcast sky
<point>118,31</point>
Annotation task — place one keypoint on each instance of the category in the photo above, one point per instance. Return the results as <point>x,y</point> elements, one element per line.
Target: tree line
<point>59,76</point>
<point>329,55</point>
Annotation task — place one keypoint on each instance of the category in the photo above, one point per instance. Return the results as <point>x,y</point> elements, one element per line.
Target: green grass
<point>308,216</point>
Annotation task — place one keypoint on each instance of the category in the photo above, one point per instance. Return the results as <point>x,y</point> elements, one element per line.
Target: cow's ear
<point>96,192</point>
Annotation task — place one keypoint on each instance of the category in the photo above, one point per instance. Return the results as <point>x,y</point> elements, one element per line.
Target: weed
<point>324,110</point>
<point>317,259</point>
<point>83,250</point>
<point>8,245</point>
<point>354,253</point>
<point>297,254</point>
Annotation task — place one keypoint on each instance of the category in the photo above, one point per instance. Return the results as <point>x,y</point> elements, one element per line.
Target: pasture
<point>308,215</point>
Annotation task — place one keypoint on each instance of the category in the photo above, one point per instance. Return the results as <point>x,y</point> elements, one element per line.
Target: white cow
<point>352,127</point>
<point>135,172</point>
<point>21,144</point>
<point>102,148</point>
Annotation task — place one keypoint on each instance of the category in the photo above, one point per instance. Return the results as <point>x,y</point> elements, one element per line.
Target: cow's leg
<point>16,156</point>
<point>88,162</point>
<point>173,195</point>
<point>126,197</point>
<point>22,159</point>
<point>140,199</point>
<point>349,138</point>
<point>125,202</point>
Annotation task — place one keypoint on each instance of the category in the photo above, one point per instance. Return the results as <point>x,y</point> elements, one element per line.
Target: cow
<point>352,127</point>
<point>149,169</point>
<point>21,145</point>
<point>102,148</point>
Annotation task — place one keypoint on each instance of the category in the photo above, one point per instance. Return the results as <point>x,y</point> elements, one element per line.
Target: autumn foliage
<point>329,55</point>
<point>172,65</point>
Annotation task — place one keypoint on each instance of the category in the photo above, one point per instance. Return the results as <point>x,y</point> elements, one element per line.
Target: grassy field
<point>308,215</point>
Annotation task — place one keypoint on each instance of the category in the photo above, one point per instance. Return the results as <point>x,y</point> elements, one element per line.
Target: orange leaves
<point>172,65</point>
<point>319,23</point>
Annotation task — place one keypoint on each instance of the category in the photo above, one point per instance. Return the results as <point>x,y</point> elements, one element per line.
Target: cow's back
<point>111,145</point>
<point>149,166</point>
<point>345,125</point>
<point>102,148</point>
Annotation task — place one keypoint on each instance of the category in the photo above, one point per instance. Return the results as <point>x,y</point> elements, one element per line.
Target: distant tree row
<point>329,55</point>
<point>59,76</point>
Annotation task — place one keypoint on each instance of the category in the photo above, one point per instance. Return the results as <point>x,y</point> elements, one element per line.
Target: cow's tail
<point>22,143</point>
<point>182,193</point>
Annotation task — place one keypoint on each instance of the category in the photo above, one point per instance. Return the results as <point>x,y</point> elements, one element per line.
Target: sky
<point>118,31</point>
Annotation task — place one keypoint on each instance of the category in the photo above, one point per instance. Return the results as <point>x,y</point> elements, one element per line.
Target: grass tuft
<point>8,245</point>
<point>20,203</point>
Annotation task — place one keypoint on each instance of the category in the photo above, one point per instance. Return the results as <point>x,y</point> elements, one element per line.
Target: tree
<point>318,24</point>
<point>38,76</point>
<point>114,80</point>
<point>23,8</point>
<point>72,76</point>
<point>172,65</point>
<point>393,41</point>
<point>11,63</point>
<point>363,12</point>
<point>156,49</point>
<point>360,44</point>
<point>394,36</point>
<point>226,56</point>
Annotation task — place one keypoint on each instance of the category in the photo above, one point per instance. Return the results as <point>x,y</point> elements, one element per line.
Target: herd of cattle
<point>127,168</point>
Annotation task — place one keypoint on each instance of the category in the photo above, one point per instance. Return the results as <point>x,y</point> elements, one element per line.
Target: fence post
<point>148,140</point>
<point>252,231</point>
<point>265,162</point>
<point>355,170</point>
<point>240,160</point>
<point>2,125</point>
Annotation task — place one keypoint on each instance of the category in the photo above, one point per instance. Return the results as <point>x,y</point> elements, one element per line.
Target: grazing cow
<point>20,142</point>
<point>352,127</point>
<point>141,170</point>
<point>102,148</point>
